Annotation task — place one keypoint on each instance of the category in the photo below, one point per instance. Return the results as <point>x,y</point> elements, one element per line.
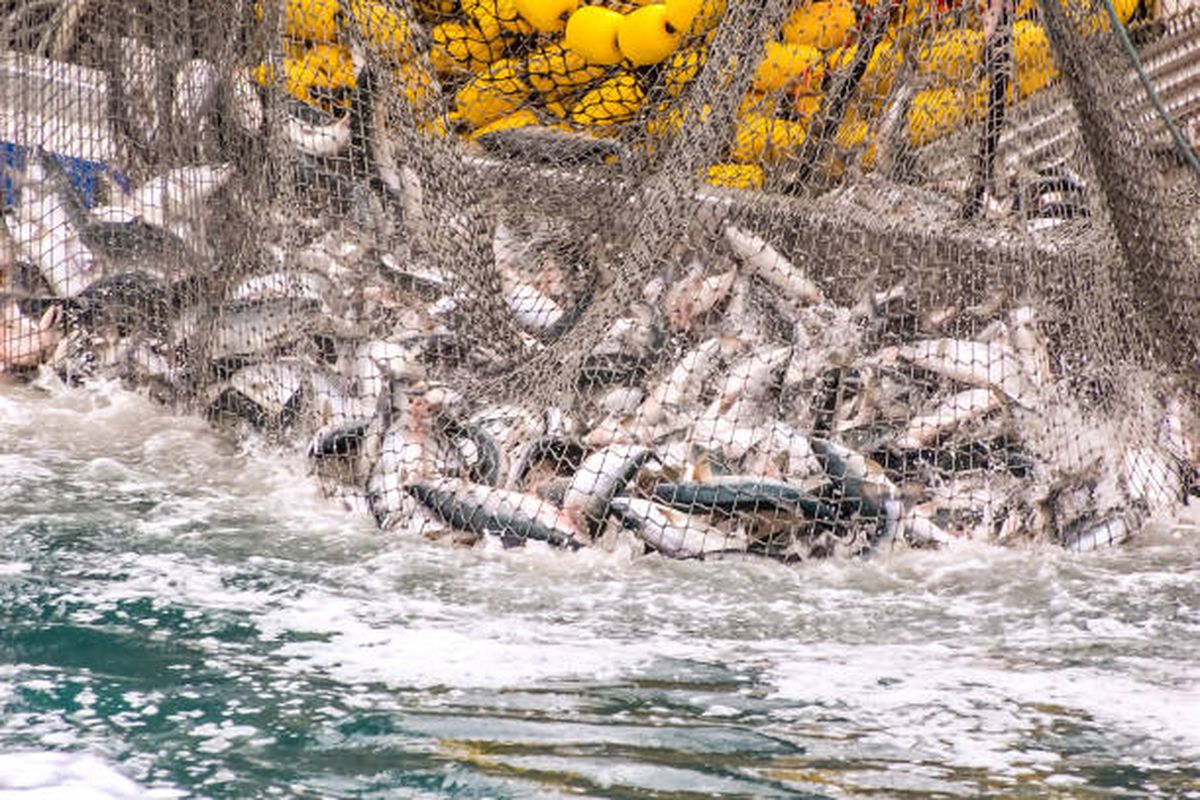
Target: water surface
<point>184,617</point>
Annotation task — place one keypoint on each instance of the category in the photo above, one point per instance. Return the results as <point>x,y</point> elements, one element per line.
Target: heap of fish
<point>731,409</point>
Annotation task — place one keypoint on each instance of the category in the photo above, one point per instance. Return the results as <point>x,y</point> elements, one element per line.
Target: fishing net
<point>784,278</point>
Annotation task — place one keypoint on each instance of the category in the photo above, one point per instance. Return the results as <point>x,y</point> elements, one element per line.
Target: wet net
<point>756,278</point>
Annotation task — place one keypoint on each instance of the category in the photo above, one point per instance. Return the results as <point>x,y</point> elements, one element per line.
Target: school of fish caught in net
<point>327,236</point>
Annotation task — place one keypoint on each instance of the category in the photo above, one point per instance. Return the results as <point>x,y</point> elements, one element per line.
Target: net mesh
<point>708,278</point>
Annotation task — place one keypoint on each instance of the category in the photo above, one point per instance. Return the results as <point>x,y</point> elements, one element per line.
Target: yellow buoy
<point>497,14</point>
<point>617,99</point>
<point>823,24</point>
<point>592,33</point>
<point>680,70</point>
<point>387,30</point>
<point>1033,61</point>
<point>546,16</point>
<point>462,48</point>
<point>492,94</point>
<point>759,138</point>
<point>556,71</point>
<point>313,20</point>
<point>645,37</point>
<point>736,176</point>
<point>518,119</point>
<point>954,55</point>
<point>786,65</point>
<point>934,113</point>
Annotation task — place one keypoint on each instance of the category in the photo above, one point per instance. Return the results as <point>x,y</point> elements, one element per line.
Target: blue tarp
<point>83,174</point>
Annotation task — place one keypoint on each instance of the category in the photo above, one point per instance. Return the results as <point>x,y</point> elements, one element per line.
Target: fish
<point>693,297</point>
<point>986,365</point>
<point>196,84</point>
<point>767,263</point>
<point>600,478</point>
<point>922,431</point>
<point>1093,534</point>
<point>179,194</point>
<point>408,451</point>
<point>546,458</point>
<point>674,533</point>
<point>133,300</point>
<point>135,245</point>
<point>513,516</point>
<point>788,453</point>
<point>244,102</point>
<point>753,378</point>
<point>26,342</point>
<point>244,329</point>
<point>282,285</point>
<point>626,347</point>
<point>864,487</point>
<point>917,527</point>
<point>403,460</point>
<point>682,385</point>
<point>482,456</point>
<point>337,441</point>
<point>322,136</point>
<point>47,228</point>
<point>621,400</point>
<point>730,494</point>
<point>533,310</point>
<point>139,70</point>
<point>275,386</point>
<point>373,363</point>
<point>1030,345</point>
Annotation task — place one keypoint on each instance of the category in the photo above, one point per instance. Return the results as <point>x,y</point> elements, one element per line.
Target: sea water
<point>181,616</point>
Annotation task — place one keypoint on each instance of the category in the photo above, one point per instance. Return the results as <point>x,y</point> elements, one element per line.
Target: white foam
<point>44,775</point>
<point>973,713</point>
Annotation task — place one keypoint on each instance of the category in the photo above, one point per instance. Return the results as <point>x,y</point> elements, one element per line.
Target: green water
<point>194,618</point>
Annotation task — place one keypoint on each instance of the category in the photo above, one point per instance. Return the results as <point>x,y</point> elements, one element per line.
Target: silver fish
<point>1030,345</point>
<point>408,452</point>
<point>1108,531</point>
<point>247,328</point>
<point>743,494</point>
<point>922,431</point>
<point>991,364</point>
<point>498,512</point>
<point>139,69</point>
<point>47,231</point>
<point>179,194</point>
<point>768,264</point>
<point>621,400</point>
<point>752,379</point>
<point>245,102</point>
<point>674,533</point>
<point>276,387</point>
<point>865,486</point>
<point>683,384</point>
<point>195,87</point>
<point>917,528</point>
<point>600,478</point>
<point>693,297</point>
<point>533,310</point>
<point>325,138</point>
<point>284,285</point>
<point>403,460</point>
<point>27,342</point>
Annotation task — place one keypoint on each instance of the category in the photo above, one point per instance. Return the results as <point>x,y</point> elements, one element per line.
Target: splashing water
<point>183,617</point>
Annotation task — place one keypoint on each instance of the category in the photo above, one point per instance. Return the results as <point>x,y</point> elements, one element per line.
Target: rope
<point>1180,143</point>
